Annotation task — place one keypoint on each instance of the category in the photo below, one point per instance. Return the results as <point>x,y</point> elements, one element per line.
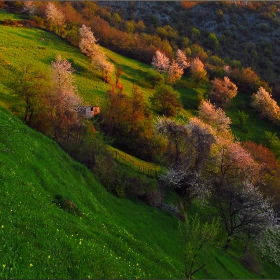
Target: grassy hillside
<point>113,238</point>
<point>105,237</point>
<point>22,46</point>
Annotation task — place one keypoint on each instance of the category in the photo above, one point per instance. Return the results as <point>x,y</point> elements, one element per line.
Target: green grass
<point>148,168</point>
<point>255,124</point>
<point>114,238</point>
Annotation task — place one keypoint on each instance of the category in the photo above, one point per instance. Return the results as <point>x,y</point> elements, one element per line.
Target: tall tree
<point>166,101</point>
<point>63,101</point>
<point>160,62</point>
<point>187,177</point>
<point>30,85</point>
<point>266,105</point>
<point>88,45</point>
<point>214,116</point>
<point>55,17</point>
<point>222,91</point>
<point>198,73</point>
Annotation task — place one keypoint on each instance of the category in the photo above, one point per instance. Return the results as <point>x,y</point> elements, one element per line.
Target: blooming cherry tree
<point>63,101</point>
<point>266,105</point>
<point>55,17</point>
<point>214,116</point>
<point>88,45</point>
<point>160,62</point>
<point>222,91</point>
<point>181,59</point>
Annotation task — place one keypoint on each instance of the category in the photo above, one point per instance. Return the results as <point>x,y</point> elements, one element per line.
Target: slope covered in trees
<point>127,113</point>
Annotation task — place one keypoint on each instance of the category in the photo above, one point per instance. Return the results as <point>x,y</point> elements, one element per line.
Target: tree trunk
<point>227,243</point>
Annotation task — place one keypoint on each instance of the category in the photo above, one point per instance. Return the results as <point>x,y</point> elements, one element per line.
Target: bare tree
<point>176,135</point>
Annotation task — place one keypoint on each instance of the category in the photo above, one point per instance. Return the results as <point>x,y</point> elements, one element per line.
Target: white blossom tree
<point>181,59</point>
<point>268,243</point>
<point>63,101</point>
<point>188,175</point>
<point>107,68</point>
<point>160,62</point>
<point>266,105</point>
<point>222,91</point>
<point>88,45</point>
<point>242,208</point>
<point>55,18</point>
<point>214,116</point>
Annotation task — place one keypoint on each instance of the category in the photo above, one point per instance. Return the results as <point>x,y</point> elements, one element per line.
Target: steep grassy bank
<point>112,238</point>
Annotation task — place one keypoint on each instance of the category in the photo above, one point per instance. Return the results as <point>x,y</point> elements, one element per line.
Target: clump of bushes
<point>66,205</point>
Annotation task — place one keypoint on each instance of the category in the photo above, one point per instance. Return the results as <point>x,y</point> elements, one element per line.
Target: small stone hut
<point>88,111</point>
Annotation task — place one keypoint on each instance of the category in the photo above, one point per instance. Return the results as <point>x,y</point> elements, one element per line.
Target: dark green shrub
<point>66,205</point>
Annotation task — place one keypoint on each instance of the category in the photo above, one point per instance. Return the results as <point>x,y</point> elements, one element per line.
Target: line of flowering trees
<point>208,165</point>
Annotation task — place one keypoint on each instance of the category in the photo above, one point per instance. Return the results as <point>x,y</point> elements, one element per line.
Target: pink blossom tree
<point>181,59</point>
<point>160,62</point>
<point>55,17</point>
<point>214,116</point>
<point>88,45</point>
<point>63,101</point>
<point>222,91</point>
<point>266,105</point>
<point>175,72</point>
<point>177,66</point>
